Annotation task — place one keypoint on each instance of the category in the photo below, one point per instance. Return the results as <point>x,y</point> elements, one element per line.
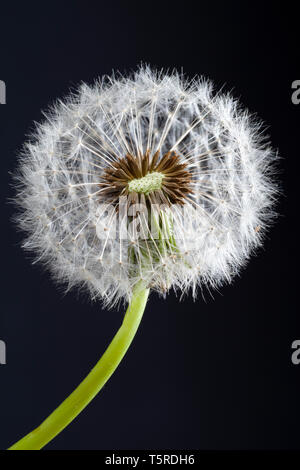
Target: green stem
<point>92,384</point>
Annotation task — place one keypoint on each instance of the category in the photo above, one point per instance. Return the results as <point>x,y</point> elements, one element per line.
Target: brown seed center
<point>160,180</point>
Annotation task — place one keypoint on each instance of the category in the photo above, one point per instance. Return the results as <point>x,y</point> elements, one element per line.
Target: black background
<point>215,374</point>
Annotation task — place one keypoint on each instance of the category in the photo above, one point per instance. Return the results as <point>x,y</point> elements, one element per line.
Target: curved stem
<point>92,384</point>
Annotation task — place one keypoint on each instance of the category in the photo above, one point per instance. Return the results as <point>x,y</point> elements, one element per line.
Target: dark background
<point>215,374</point>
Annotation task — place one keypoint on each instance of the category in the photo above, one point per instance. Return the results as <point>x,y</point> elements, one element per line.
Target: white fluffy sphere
<point>217,189</point>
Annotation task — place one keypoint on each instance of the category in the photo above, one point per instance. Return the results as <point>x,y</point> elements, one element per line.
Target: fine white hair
<point>220,223</point>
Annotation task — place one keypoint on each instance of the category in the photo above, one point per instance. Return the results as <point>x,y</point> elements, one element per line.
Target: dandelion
<point>144,182</point>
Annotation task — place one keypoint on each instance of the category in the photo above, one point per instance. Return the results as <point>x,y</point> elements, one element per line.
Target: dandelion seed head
<point>194,170</point>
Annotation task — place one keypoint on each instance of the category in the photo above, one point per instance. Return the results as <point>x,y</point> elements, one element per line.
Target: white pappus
<point>163,142</point>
